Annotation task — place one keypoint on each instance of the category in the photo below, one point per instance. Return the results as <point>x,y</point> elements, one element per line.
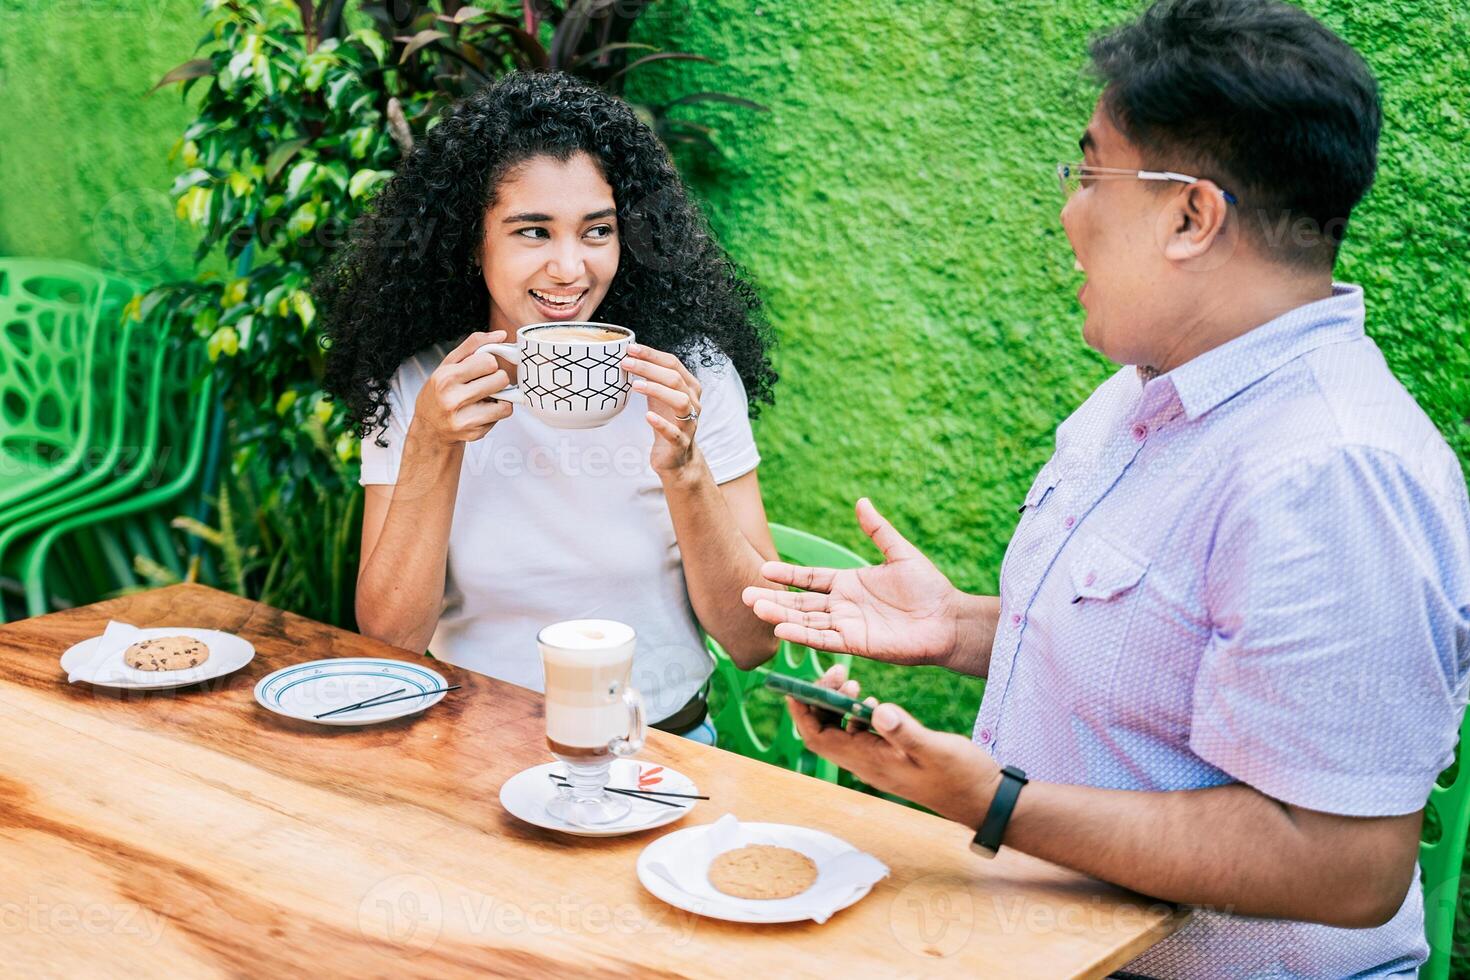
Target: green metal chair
<point>49,312</point>
<point>1440,859</point>
<point>114,387</point>
<point>137,380</point>
<point>732,686</point>
<point>99,559</point>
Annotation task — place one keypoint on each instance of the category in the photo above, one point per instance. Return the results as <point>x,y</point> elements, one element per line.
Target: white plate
<point>227,653</point>
<point>815,844</point>
<point>304,691</point>
<point>526,794</point>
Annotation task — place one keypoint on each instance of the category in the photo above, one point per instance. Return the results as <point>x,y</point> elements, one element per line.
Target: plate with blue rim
<point>303,691</point>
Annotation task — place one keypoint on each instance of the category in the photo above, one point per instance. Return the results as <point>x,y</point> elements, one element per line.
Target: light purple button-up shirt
<point>1254,568</point>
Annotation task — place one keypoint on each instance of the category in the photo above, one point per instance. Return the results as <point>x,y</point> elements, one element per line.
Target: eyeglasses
<point>1072,175</point>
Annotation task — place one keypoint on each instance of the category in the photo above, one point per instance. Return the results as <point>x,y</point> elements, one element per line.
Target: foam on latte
<point>576,335</point>
<point>587,663</point>
<point>586,634</point>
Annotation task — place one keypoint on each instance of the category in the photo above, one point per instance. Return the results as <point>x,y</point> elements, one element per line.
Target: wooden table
<point>195,833</point>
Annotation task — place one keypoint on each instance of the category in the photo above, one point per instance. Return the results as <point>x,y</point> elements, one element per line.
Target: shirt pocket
<point>1105,581</point>
<point>1026,542</point>
<point>1101,571</point>
<point>1041,488</point>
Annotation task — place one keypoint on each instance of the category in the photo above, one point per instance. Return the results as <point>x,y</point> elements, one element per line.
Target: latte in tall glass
<point>592,714</point>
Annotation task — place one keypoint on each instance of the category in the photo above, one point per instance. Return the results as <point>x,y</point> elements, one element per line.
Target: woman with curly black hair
<point>543,199</point>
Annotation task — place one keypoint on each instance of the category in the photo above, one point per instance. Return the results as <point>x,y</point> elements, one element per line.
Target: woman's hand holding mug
<point>673,399</point>
<point>574,383</point>
<point>569,372</point>
<point>456,404</point>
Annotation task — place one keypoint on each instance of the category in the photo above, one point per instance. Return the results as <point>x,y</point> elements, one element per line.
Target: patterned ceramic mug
<point>570,373</point>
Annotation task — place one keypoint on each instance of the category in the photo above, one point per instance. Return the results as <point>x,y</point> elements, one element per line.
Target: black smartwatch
<point>993,827</point>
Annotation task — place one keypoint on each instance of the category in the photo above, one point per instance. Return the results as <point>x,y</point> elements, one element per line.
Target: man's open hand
<point>902,611</point>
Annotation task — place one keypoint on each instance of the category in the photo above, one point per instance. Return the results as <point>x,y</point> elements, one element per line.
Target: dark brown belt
<point>687,718</point>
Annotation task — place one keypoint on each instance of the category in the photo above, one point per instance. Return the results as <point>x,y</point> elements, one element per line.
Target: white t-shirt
<point>554,524</point>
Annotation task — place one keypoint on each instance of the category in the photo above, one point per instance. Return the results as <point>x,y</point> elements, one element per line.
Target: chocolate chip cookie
<point>166,653</point>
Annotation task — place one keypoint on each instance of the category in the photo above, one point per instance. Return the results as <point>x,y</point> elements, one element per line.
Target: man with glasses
<point>1229,654</point>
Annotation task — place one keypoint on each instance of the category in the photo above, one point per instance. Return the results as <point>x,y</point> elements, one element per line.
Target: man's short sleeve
<point>1340,608</point>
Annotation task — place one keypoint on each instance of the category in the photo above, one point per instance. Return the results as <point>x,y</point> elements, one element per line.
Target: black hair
<point>408,276</point>
<point>1259,97</point>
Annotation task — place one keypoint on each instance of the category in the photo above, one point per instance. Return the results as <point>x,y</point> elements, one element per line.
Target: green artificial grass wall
<point>896,207</point>
<point>84,169</point>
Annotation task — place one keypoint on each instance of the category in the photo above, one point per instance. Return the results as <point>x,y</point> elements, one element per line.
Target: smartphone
<point>819,697</point>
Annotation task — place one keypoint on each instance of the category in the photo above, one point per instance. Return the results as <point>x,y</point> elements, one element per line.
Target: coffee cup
<point>570,372</point>
<point>593,715</point>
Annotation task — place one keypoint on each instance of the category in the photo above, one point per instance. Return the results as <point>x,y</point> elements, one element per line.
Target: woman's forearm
<point>400,589</point>
<point>719,562</point>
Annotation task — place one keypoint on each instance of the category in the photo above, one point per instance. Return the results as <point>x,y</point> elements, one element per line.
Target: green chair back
<point>114,392</point>
<point>731,685</point>
<point>48,316</point>
<point>1440,859</point>
<point>124,466</point>
<point>105,540</point>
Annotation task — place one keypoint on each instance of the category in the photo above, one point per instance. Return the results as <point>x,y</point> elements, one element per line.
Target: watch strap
<point>993,828</point>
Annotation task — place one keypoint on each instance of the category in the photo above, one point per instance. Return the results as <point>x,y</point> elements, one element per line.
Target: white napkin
<point>842,872</point>
<point>114,640</point>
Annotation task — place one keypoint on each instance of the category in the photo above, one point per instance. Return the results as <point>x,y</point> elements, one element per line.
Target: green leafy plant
<point>304,110</point>
<point>589,38</point>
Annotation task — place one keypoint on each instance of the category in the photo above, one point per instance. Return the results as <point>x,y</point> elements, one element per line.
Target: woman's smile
<point>559,303</point>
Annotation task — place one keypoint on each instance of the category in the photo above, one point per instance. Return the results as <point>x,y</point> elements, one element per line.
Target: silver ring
<point>693,416</point>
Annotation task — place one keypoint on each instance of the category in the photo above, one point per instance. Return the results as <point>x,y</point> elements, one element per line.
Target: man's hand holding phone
<point>947,773</point>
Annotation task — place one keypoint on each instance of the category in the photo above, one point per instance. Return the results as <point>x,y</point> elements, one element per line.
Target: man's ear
<point>1197,225</point>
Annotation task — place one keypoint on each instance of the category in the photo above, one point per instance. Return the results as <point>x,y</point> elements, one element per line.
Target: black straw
<point>360,704</point>
<point>642,794</point>
<point>374,702</point>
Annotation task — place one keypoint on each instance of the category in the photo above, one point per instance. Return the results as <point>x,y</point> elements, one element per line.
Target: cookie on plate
<point>762,871</point>
<point>166,653</point>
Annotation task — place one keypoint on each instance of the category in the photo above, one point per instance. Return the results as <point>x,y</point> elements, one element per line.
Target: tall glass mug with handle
<point>592,715</point>
<point>570,373</point>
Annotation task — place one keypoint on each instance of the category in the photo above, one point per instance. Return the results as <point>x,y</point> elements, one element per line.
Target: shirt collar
<point>1223,372</point>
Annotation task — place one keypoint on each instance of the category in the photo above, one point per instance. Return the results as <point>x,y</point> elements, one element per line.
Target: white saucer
<point>303,691</point>
<point>675,848</point>
<point>526,794</point>
<point>227,653</point>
